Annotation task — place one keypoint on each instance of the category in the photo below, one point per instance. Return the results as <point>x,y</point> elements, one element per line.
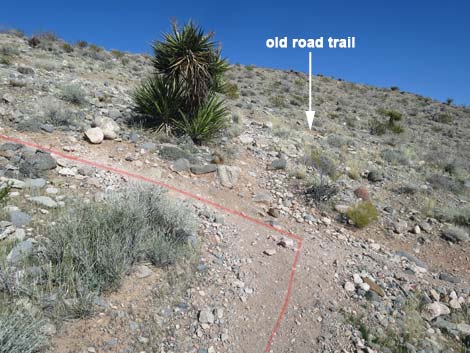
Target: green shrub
<point>67,48</point>
<point>190,58</point>
<point>92,245</point>
<point>458,216</point>
<point>73,94</point>
<point>20,333</point>
<point>117,54</point>
<point>4,191</point>
<point>444,118</point>
<point>278,101</point>
<point>231,90</point>
<point>250,67</point>
<point>208,121</point>
<point>81,44</point>
<point>188,74</point>
<point>379,128</point>
<point>362,214</point>
<point>159,99</point>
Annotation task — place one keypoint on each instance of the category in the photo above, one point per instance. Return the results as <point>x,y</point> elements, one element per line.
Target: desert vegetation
<point>182,93</point>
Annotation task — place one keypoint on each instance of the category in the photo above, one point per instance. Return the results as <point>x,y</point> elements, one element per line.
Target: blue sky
<point>419,46</point>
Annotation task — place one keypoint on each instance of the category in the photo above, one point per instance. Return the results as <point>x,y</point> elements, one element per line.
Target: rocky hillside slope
<point>397,282</point>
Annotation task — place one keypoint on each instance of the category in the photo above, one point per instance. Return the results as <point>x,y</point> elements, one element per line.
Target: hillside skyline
<point>417,47</point>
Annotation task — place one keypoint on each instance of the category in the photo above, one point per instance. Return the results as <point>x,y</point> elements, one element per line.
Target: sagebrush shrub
<point>20,333</point>
<point>73,94</point>
<point>92,245</point>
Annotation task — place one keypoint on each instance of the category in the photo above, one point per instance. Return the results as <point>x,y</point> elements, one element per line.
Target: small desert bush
<point>446,183</point>
<point>379,128</point>
<point>443,118</point>
<point>321,162</point>
<point>20,333</point>
<point>73,94</point>
<point>91,246</point>
<point>320,189</point>
<point>4,192</point>
<point>81,44</point>
<point>456,215</point>
<point>56,115</point>
<point>362,214</point>
<point>67,48</point>
<point>278,101</point>
<point>231,90</point>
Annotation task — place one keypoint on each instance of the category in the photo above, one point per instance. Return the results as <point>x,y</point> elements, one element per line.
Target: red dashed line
<point>192,196</point>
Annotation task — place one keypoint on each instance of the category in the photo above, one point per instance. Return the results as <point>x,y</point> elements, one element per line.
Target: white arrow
<point>310,113</point>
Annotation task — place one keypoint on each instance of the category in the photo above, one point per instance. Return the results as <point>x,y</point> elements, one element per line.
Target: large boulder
<point>95,135</point>
<point>108,126</point>
<point>36,164</point>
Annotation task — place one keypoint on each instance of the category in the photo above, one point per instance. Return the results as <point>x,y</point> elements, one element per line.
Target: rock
<point>203,169</point>
<point>44,201</point>
<point>349,287</point>
<point>343,209</point>
<point>454,304</point>
<point>286,243</point>
<point>36,164</point>
<point>263,198</point>
<point>455,234</point>
<point>8,98</point>
<point>464,329</point>
<point>149,146</point>
<point>172,152</point>
<point>19,219</point>
<point>375,176</point>
<point>280,163</point>
<point>181,165</point>
<point>95,135</point>
<point>373,296</point>
<point>206,316</point>
<point>425,226</point>
<point>108,126</point>
<point>245,139</point>
<point>374,287</point>
<point>417,229</point>
<point>66,172</point>
<point>357,278</point>
<point>21,251</point>
<point>445,326</point>
<point>228,175</point>
<point>412,259</point>
<point>48,329</point>
<point>434,310</point>
<point>269,252</point>
<point>364,286</point>
<point>400,227</point>
<point>443,276</point>
<point>273,212</point>
<point>37,183</point>
<point>143,271</point>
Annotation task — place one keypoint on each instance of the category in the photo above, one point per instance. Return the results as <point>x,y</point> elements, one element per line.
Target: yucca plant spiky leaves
<point>159,99</point>
<point>190,57</point>
<point>209,120</point>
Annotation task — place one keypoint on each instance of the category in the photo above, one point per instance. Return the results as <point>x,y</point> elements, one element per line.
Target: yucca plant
<point>190,57</point>
<point>182,91</point>
<point>209,119</point>
<point>159,98</point>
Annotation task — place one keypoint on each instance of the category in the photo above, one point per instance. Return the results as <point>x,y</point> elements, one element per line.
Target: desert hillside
<point>92,259</point>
